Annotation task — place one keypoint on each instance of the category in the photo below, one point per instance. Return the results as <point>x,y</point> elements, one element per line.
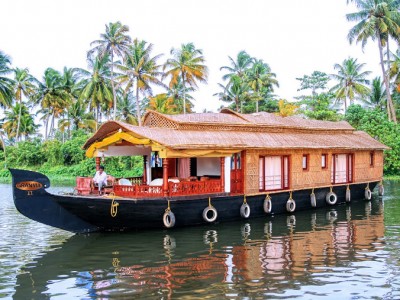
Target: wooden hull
<point>92,213</point>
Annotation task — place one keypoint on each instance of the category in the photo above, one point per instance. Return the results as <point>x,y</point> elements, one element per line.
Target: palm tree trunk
<point>390,109</point>
<point>139,117</point>
<point>4,148</point>
<point>184,94</point>
<point>112,85</point>
<point>19,119</point>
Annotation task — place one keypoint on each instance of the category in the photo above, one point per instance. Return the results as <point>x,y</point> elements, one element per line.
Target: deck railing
<point>174,189</point>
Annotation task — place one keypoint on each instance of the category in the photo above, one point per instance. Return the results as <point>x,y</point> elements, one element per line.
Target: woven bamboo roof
<point>230,130</point>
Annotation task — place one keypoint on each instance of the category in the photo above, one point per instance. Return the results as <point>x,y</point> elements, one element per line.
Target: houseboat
<point>210,167</point>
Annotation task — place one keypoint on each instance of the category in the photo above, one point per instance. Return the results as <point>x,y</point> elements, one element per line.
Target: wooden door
<point>236,174</point>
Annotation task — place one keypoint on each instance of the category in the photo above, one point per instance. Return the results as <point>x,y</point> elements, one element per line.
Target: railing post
<point>165,177</point>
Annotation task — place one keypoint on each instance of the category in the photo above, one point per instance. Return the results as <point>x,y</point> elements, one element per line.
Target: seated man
<point>100,179</point>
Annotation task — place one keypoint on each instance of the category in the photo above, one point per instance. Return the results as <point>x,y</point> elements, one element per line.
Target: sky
<point>295,37</point>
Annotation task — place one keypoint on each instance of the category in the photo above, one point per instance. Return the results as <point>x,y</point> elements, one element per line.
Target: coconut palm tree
<point>12,117</point>
<point>126,109</point>
<point>187,62</point>
<point>177,92</point>
<point>142,70</point>
<point>377,20</point>
<point>352,83</point>
<point>235,91</point>
<point>78,117</point>
<point>239,67</point>
<point>53,97</point>
<point>95,85</point>
<point>6,84</point>
<point>377,98</point>
<point>114,41</point>
<point>260,80</point>
<point>163,104</point>
<point>24,85</point>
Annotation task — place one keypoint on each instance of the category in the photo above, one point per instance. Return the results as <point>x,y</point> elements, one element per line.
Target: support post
<point>98,159</point>
<point>165,176</point>
<point>144,179</point>
<point>222,160</point>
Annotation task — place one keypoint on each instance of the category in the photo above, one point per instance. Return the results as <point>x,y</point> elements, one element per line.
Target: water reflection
<point>276,257</point>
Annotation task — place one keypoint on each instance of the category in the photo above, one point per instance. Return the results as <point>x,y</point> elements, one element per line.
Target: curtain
<point>341,168</point>
<point>273,172</point>
<point>184,167</point>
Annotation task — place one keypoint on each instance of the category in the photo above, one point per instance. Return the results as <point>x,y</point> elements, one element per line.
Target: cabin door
<point>236,174</point>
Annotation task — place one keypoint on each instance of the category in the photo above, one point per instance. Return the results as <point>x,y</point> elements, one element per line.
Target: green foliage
<point>317,107</point>
<point>376,124</point>
<point>72,151</point>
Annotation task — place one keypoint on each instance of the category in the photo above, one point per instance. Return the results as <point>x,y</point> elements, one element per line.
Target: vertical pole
<point>144,179</point>
<point>222,160</point>
<point>165,176</point>
<point>98,163</point>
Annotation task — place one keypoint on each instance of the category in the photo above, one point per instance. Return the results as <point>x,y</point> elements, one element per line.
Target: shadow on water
<point>275,257</point>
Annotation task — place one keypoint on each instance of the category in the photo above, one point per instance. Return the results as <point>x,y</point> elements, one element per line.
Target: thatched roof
<point>230,130</point>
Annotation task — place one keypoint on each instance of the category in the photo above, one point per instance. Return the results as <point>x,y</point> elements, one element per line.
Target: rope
<point>367,187</point>
<point>290,197</point>
<point>267,197</point>
<point>331,191</point>
<point>244,200</point>
<point>168,209</point>
<point>312,192</point>
<point>114,206</point>
<point>348,187</point>
<point>209,202</point>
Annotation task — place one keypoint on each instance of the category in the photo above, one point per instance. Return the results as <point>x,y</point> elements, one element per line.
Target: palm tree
<point>260,80</point>
<point>140,68</point>
<point>376,99</point>
<point>235,91</point>
<point>177,92</point>
<point>126,108</point>
<point>53,97</point>
<point>12,117</point>
<point>187,63</point>
<point>163,104</point>
<point>6,84</point>
<point>377,20</point>
<point>114,41</point>
<point>352,82</point>
<point>78,117</point>
<point>24,85</point>
<point>239,67</point>
<point>95,85</point>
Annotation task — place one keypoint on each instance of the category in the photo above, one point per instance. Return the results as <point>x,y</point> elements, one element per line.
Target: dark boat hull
<point>92,213</point>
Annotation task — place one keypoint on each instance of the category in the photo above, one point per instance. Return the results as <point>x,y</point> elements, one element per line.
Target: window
<point>371,159</point>
<point>342,168</point>
<point>324,161</point>
<point>273,173</point>
<point>305,162</point>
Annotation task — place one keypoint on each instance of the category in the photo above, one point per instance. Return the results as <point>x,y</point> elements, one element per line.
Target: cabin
<point>234,153</point>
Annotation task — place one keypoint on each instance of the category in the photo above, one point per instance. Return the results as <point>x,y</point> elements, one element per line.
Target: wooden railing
<point>174,189</point>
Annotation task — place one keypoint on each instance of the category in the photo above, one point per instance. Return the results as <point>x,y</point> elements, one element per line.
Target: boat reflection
<point>268,254</point>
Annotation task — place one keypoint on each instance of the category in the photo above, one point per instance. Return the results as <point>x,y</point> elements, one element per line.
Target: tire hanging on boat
<point>381,189</point>
<point>245,210</point>
<point>169,219</point>
<point>290,204</point>
<point>331,198</point>
<point>313,199</point>
<point>348,194</point>
<point>210,209</point>
<point>367,193</point>
<point>267,204</point>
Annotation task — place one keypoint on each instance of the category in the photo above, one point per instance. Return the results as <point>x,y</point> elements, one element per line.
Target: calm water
<point>349,252</point>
